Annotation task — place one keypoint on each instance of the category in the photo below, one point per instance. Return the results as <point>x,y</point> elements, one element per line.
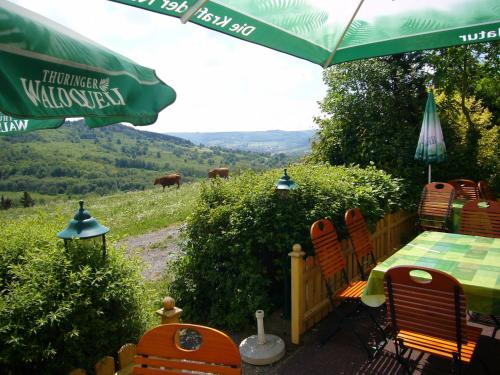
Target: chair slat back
<point>435,205</point>
<point>160,347</point>
<point>361,240</point>
<point>358,232</point>
<point>434,307</point>
<point>466,189</point>
<point>327,248</point>
<point>485,191</point>
<point>480,218</point>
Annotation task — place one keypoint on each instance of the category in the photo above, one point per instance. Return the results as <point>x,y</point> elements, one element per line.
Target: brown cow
<point>221,172</point>
<point>169,179</point>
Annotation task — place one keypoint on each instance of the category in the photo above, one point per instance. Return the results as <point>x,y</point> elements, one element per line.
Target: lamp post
<point>283,187</point>
<point>285,184</point>
<point>84,226</point>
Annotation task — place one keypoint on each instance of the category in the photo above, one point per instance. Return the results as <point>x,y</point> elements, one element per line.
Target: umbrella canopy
<point>329,32</point>
<point>50,72</point>
<point>431,147</point>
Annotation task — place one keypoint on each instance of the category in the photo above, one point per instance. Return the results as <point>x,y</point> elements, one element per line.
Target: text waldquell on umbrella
<point>50,72</point>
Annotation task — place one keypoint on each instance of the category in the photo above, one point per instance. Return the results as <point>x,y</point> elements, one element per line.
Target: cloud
<point>222,84</point>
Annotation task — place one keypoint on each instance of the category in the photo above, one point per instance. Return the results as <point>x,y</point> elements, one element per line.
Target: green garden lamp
<point>285,184</point>
<point>283,187</point>
<point>84,226</point>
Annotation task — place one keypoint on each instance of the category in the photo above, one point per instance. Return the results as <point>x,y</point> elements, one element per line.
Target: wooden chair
<point>361,240</point>
<point>480,218</point>
<point>105,366</point>
<point>160,351</point>
<point>465,189</point>
<point>429,315</point>
<point>485,191</point>
<point>126,359</point>
<point>328,253</point>
<point>435,206</point>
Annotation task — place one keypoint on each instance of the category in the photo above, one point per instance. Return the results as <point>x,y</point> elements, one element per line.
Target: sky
<point>222,83</point>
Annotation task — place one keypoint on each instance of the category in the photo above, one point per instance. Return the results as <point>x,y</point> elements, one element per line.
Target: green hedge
<point>63,309</point>
<point>241,230</point>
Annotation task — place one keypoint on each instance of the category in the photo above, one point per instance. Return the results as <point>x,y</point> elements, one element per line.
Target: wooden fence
<point>309,301</point>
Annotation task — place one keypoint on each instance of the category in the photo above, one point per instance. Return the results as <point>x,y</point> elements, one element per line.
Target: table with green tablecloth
<point>474,261</point>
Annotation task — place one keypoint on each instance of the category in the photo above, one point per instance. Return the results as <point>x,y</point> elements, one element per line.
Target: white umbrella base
<point>262,354</point>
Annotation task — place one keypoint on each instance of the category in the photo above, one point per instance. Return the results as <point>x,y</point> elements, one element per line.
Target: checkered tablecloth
<point>474,261</point>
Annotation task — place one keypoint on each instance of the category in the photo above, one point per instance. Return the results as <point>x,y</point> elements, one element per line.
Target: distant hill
<point>272,141</point>
<point>77,160</point>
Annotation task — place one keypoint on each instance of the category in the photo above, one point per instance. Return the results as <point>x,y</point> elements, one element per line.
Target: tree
<point>26,200</point>
<point>373,109</point>
<point>372,114</point>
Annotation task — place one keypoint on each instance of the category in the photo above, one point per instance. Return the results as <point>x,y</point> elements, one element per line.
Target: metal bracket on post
<point>188,14</point>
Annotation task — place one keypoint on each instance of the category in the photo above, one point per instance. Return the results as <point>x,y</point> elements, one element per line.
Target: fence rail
<point>309,301</point>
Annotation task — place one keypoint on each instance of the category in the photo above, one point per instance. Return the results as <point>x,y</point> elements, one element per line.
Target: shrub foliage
<point>61,309</point>
<point>241,230</point>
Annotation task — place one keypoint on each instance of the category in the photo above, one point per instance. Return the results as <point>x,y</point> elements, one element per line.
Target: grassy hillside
<point>126,214</point>
<point>76,160</point>
<point>272,141</point>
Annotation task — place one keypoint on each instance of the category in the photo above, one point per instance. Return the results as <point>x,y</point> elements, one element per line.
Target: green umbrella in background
<point>329,32</point>
<point>431,147</point>
<point>48,72</point>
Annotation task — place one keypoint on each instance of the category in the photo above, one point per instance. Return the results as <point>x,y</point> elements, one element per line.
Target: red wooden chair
<point>434,209</point>
<point>466,189</point>
<point>328,253</point>
<point>160,351</point>
<point>429,315</point>
<point>480,218</point>
<point>361,240</point>
<point>485,191</point>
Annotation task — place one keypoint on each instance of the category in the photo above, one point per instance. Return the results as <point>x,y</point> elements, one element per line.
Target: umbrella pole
<point>430,173</point>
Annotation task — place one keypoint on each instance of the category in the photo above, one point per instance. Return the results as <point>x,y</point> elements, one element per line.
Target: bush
<point>241,230</point>
<point>61,309</point>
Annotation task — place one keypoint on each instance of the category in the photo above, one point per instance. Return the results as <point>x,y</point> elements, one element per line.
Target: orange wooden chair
<point>485,191</point>
<point>328,253</point>
<point>434,209</point>
<point>466,189</point>
<point>179,348</point>
<point>429,314</point>
<point>361,240</point>
<point>480,218</point>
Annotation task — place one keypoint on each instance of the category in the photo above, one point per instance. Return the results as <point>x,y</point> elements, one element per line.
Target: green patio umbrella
<point>329,32</point>
<point>430,147</point>
<point>48,72</point>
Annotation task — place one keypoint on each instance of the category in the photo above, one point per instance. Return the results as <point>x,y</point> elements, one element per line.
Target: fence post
<point>297,292</point>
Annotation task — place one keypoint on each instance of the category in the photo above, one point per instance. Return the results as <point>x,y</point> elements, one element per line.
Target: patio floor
<point>343,354</point>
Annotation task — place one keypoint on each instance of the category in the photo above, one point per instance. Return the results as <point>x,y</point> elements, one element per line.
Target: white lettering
<point>223,23</point>
<point>182,8</point>
<point>64,97</point>
<point>51,91</point>
<point>100,100</point>
<point>45,98</point>
<point>30,92</point>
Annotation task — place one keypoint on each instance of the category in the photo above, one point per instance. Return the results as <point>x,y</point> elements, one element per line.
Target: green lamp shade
<point>286,183</point>
<point>83,225</point>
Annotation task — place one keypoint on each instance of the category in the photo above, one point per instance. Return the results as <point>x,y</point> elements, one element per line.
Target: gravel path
<point>155,248</point>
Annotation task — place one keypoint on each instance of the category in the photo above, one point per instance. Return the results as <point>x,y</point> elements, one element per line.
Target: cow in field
<point>221,172</point>
<point>169,179</point>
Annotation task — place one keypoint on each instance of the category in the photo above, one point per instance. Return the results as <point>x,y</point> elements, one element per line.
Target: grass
<point>126,214</point>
